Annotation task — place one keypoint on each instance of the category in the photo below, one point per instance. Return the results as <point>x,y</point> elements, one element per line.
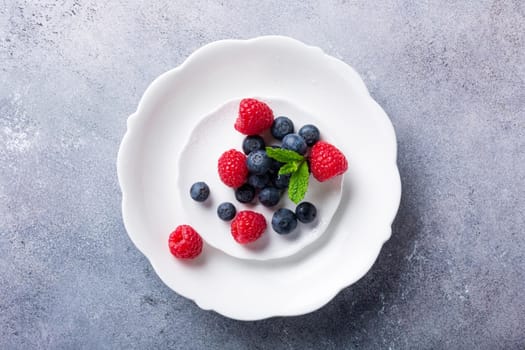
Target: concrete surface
<point>449,73</point>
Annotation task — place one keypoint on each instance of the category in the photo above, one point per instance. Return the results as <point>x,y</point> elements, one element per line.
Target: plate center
<point>212,136</point>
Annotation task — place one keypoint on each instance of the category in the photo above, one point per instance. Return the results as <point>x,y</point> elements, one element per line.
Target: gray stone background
<point>449,73</point>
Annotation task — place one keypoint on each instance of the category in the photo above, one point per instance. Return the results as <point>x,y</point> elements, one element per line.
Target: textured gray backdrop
<point>449,73</point>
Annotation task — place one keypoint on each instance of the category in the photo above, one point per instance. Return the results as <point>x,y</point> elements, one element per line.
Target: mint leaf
<point>289,168</point>
<point>299,183</point>
<point>283,155</point>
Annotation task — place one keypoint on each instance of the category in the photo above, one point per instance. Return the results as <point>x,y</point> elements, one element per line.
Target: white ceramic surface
<point>208,140</point>
<point>270,67</point>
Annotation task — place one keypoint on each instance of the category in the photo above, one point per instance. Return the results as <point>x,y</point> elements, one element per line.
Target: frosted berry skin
<point>326,161</point>
<point>226,211</point>
<point>295,143</point>
<point>185,242</point>
<point>284,221</point>
<point>306,212</point>
<point>247,226</point>
<point>252,143</point>
<point>232,168</point>
<point>245,193</point>
<point>281,127</point>
<point>259,181</point>
<point>254,117</point>
<point>269,196</point>
<point>310,134</point>
<point>258,162</point>
<point>199,191</point>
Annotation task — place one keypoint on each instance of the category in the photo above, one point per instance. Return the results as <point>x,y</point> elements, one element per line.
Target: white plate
<point>274,68</point>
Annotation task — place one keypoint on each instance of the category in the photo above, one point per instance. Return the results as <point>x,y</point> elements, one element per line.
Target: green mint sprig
<point>283,155</point>
<point>290,168</point>
<point>296,165</point>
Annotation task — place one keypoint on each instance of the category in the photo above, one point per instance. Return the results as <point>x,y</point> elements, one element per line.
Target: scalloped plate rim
<point>136,117</point>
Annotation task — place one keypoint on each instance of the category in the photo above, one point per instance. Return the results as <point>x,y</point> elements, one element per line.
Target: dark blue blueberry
<point>252,143</point>
<point>295,143</point>
<point>281,127</point>
<point>269,196</point>
<point>284,221</point>
<point>259,181</point>
<point>306,212</point>
<point>245,193</point>
<point>310,134</point>
<point>282,181</point>
<point>199,191</point>
<point>276,165</point>
<point>226,211</point>
<point>258,162</point>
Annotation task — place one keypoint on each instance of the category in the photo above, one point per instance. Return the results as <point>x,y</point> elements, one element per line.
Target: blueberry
<point>226,211</point>
<point>284,221</point>
<point>269,196</point>
<point>199,191</point>
<point>282,181</point>
<point>245,193</point>
<point>281,127</point>
<point>258,162</point>
<point>252,143</point>
<point>295,143</point>
<point>310,134</point>
<point>259,181</point>
<point>274,168</point>
<point>306,212</point>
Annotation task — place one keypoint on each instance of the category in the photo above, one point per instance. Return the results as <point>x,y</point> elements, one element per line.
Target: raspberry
<point>254,117</point>
<point>248,226</point>
<point>326,161</point>
<point>185,242</point>
<point>232,168</point>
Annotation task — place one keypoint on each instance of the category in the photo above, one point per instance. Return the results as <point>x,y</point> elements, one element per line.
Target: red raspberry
<point>248,226</point>
<point>254,117</point>
<point>185,242</point>
<point>326,161</point>
<point>232,168</point>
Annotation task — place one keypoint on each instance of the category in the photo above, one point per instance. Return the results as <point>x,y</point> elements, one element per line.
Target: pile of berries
<point>265,173</point>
